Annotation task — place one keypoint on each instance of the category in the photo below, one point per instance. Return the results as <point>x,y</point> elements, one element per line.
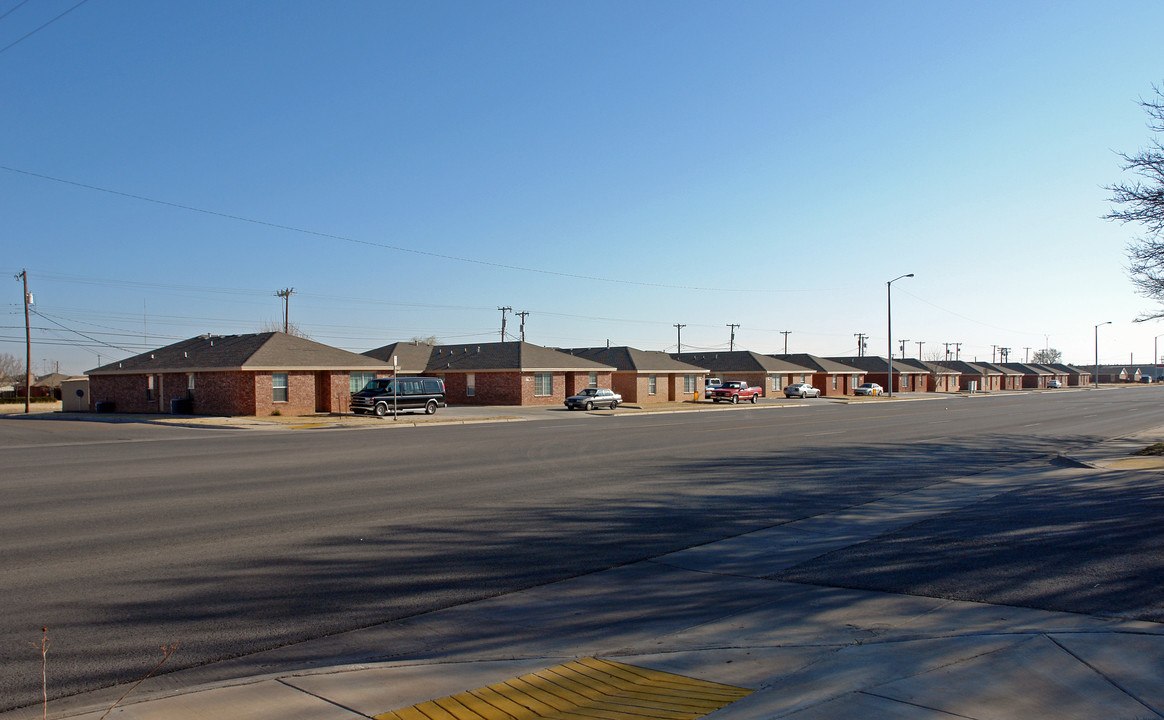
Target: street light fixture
<point>889,322</point>
<point>1156,357</point>
<point>1097,351</point>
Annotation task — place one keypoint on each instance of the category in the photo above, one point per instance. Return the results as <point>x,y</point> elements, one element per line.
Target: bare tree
<point>11,367</point>
<point>292,328</point>
<point>1046,356</point>
<point>430,340</point>
<point>1141,201</point>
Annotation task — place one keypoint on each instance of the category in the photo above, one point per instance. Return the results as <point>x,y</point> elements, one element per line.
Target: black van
<point>409,393</point>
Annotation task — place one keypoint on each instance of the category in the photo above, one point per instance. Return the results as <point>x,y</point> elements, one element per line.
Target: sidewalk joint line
<point>1103,675</point>
<point>916,705</point>
<point>341,706</point>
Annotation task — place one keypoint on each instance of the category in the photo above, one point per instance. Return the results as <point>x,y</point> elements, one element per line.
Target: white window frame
<point>688,384</point>
<point>470,385</point>
<point>540,381</point>
<point>285,387</point>
<point>652,384</point>
<point>365,376</point>
<point>593,380</point>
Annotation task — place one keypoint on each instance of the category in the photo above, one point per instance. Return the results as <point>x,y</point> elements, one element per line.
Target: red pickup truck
<point>735,390</point>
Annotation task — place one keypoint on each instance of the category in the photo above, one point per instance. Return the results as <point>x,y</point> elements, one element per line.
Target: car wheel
<point>613,404</point>
<point>589,405</point>
<point>381,409</point>
<point>735,399</point>
<point>430,407</point>
<point>755,399</point>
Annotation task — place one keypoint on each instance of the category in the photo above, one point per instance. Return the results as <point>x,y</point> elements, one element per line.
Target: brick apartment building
<point>254,374</point>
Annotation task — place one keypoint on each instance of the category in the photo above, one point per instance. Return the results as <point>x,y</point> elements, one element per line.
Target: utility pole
<point>992,349</point>
<point>860,343</point>
<point>785,333</point>
<point>947,350</point>
<point>23,276</point>
<point>679,336</point>
<point>286,294</point>
<point>732,345</point>
<point>957,351</point>
<point>522,315</point>
<point>903,342</point>
<point>919,345</point>
<point>503,311</point>
<point>1028,357</point>
<point>1003,354</point>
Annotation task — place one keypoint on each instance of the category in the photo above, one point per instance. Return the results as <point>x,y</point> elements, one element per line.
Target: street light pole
<point>1097,352</point>
<point>889,322</point>
<point>1156,357</point>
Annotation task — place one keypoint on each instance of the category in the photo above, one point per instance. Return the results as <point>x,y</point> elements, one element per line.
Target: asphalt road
<point>122,538</point>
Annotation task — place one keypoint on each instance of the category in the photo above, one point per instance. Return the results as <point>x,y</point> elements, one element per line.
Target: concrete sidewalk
<point>714,613</point>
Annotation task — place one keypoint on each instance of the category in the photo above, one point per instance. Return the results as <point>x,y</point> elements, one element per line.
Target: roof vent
<point>118,364</point>
<point>185,354</point>
<point>478,348</point>
<point>151,356</point>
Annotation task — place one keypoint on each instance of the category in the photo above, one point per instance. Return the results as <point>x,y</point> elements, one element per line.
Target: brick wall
<point>490,388</point>
<point>126,392</point>
<point>223,393</point>
<point>300,393</point>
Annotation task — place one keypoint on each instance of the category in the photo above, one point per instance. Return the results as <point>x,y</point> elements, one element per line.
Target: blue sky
<point>610,168</point>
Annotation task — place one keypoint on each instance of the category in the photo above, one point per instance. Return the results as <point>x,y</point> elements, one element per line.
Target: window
<point>470,384</point>
<point>279,387</point>
<point>150,388</point>
<point>688,383</point>
<point>543,384</point>
<point>189,381</point>
<point>652,384</point>
<point>777,382</point>
<point>593,380</point>
<point>357,381</point>
<point>834,377</point>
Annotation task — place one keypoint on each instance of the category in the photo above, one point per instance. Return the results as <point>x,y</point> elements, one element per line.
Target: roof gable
<point>628,359</point>
<point>739,361</point>
<point>507,356</point>
<point>255,351</point>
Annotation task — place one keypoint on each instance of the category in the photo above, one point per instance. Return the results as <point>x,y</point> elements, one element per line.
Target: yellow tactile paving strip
<point>586,689</point>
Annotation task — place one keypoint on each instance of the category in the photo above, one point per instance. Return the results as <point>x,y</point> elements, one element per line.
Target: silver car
<point>868,389</point>
<point>802,390</point>
<point>591,398</point>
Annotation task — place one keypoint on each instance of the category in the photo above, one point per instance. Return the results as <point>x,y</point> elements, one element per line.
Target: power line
<point>18,5</point>
<point>21,39</point>
<point>386,246</point>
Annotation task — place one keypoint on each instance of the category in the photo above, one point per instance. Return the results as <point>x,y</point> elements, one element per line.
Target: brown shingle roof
<point>506,356</point>
<point>739,361</point>
<point>256,351</point>
<point>629,359</point>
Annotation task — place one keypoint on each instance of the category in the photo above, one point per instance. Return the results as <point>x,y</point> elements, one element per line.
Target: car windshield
<point>381,385</point>
<point>589,391</point>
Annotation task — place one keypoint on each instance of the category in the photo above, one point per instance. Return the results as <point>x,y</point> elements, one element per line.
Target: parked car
<point>384,395</point>
<point>734,391</point>
<point>803,390</point>
<point>591,398</point>
<point>868,389</point>
<point>1054,384</point>
<point>710,385</point>
<point>1146,379</point>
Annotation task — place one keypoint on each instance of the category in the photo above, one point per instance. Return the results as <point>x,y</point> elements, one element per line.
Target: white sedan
<point>803,390</point>
<point>868,389</point>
